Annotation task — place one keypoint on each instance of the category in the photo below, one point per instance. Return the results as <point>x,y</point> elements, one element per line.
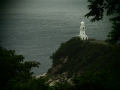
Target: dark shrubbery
<point>98,65</point>
<point>85,56</point>
<point>14,71</point>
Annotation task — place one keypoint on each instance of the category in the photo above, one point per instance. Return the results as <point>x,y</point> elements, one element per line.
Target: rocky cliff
<point>76,57</point>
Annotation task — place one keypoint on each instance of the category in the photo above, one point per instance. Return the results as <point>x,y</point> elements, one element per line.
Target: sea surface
<point>36,28</point>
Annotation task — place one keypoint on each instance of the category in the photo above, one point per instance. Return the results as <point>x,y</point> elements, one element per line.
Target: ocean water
<point>35,29</point>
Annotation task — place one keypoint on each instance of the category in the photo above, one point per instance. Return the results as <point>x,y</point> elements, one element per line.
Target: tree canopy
<point>98,8</point>
<point>13,69</point>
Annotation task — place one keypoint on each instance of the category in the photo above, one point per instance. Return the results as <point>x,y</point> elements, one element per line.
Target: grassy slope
<point>86,56</point>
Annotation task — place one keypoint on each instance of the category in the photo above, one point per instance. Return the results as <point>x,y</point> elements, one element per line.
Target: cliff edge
<point>75,57</point>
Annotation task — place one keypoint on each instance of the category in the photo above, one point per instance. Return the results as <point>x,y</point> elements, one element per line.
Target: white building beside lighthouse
<point>82,34</point>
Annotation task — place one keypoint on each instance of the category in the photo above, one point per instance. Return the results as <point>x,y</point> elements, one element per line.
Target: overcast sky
<point>41,5</point>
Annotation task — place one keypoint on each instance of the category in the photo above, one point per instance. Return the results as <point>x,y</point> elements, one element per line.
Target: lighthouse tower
<point>82,34</point>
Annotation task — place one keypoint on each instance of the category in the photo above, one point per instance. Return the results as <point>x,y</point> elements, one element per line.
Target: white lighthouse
<point>82,34</point>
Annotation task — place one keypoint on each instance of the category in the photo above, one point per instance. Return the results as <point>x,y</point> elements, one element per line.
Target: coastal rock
<point>53,83</point>
<point>43,75</point>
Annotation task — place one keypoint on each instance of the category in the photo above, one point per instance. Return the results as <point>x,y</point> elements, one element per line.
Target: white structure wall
<point>82,34</point>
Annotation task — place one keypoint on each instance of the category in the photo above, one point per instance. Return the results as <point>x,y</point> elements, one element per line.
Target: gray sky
<point>41,5</point>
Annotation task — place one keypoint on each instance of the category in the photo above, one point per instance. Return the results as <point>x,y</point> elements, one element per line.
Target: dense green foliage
<point>98,65</point>
<point>14,71</point>
<point>92,81</point>
<point>61,86</point>
<point>98,8</point>
<point>86,56</point>
<point>89,81</point>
